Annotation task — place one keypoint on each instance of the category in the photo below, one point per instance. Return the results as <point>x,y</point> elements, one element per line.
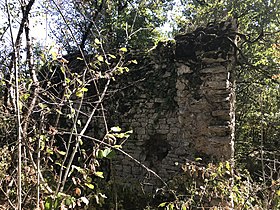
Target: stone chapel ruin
<point>179,102</point>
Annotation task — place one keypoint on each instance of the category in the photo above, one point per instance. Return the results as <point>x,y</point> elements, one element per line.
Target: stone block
<point>135,124</point>
<point>219,130</point>
<point>183,69</point>
<point>222,114</point>
<point>180,85</point>
<point>214,70</point>
<point>159,100</point>
<point>166,74</point>
<point>219,98</point>
<point>213,60</point>
<point>140,131</point>
<point>174,130</point>
<point>160,131</point>
<point>172,120</point>
<point>216,85</point>
<point>149,105</point>
<point>163,126</point>
<point>220,140</point>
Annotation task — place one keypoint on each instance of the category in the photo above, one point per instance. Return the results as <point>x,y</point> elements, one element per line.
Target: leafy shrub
<point>219,187</point>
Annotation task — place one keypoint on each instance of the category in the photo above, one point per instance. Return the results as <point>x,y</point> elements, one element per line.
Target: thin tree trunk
<point>19,136</point>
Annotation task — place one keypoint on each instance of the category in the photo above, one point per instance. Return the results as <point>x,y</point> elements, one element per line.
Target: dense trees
<point>35,85</point>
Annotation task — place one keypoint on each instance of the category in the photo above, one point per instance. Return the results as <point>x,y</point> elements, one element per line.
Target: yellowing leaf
<point>84,89</point>
<point>198,159</point>
<point>112,56</point>
<point>117,146</point>
<point>100,58</point>
<point>99,174</point>
<point>79,94</point>
<point>123,49</point>
<point>227,165</point>
<point>61,152</point>
<point>54,55</point>
<point>90,186</point>
<point>58,111</point>
<point>162,204</point>
<point>42,106</point>
<point>116,129</point>
<point>97,41</point>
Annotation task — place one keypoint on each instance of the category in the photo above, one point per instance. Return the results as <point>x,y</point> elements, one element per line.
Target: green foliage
<point>257,77</point>
<point>217,187</point>
<point>56,110</point>
<point>115,24</point>
<point>5,161</point>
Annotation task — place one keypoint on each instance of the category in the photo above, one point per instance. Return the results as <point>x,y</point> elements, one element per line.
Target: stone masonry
<point>179,102</point>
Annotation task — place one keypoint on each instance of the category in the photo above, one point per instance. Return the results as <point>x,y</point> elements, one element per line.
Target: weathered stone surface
<point>183,107</point>
<point>183,69</point>
<point>214,70</point>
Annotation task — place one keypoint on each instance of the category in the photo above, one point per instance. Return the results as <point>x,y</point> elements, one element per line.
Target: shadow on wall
<point>156,149</point>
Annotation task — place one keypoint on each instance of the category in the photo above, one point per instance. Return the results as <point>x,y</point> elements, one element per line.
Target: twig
<point>121,151</point>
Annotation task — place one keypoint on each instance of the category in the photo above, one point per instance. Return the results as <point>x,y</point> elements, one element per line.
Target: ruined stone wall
<point>179,102</point>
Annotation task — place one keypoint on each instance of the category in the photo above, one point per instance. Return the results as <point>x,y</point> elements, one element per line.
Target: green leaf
<point>170,206</point>
<point>90,186</point>
<point>79,169</point>
<point>100,154</point>
<point>61,195</point>
<point>48,203</point>
<point>79,58</point>
<point>69,200</point>
<point>106,152</point>
<point>123,49</point>
<point>99,174</point>
<point>49,150</point>
<point>111,154</point>
<point>162,204</point>
<point>25,96</point>
<point>134,61</point>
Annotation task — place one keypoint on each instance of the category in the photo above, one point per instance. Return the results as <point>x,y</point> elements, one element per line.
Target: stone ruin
<point>179,101</point>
